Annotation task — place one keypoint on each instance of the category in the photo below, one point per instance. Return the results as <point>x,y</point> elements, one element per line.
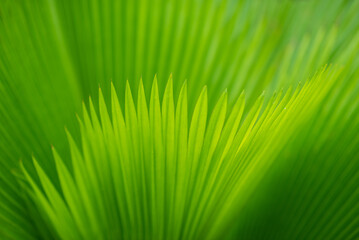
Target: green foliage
<point>174,159</point>
<point>129,179</point>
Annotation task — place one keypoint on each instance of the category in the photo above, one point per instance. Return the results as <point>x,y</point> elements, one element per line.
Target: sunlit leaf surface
<point>234,119</point>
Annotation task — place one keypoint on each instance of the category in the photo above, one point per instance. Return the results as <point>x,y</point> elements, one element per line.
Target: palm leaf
<point>55,53</point>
